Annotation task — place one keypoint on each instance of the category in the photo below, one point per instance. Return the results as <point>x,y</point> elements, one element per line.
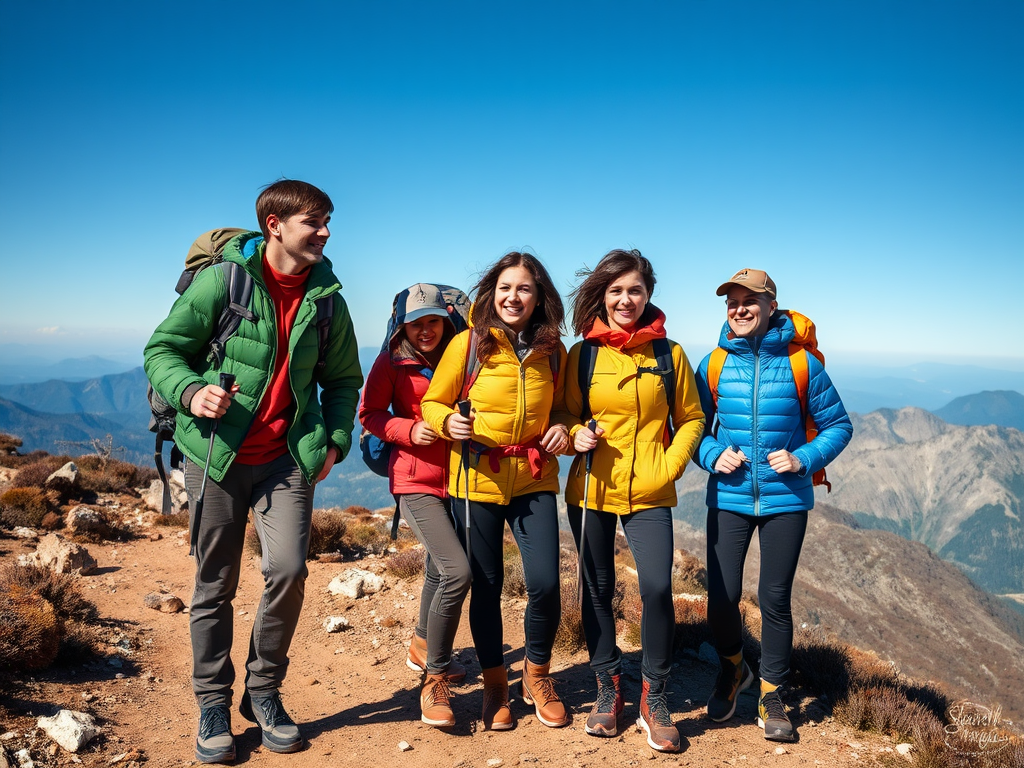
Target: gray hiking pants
<point>447,579</point>
<point>282,505</point>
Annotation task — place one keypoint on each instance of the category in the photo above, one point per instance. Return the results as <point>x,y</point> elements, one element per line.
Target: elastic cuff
<point>188,394</point>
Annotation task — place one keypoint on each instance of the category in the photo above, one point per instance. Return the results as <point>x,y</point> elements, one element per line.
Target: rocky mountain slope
<point>1004,408</point>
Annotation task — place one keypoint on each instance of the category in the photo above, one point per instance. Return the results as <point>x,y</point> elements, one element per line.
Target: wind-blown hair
<point>544,327</point>
<point>588,297</point>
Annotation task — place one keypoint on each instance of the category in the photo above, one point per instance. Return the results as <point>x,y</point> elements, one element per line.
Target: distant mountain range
<point>1004,408</point>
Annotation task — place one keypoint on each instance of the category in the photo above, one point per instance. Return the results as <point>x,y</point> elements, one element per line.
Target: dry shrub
<point>408,564</point>
<point>16,461</point>
<point>30,632</point>
<point>688,574</point>
<point>569,637</point>
<point>100,475</point>
<point>623,554</point>
<point>326,532</point>
<point>34,475</point>
<point>885,710</point>
<point>691,623</point>
<point>51,522</point>
<point>253,545</point>
<point>514,584</point>
<point>24,506</point>
<point>61,590</point>
<point>360,513</point>
<point>175,520</point>
<point>9,444</point>
<point>367,537</point>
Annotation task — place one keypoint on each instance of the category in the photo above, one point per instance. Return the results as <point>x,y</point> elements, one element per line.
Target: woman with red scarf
<point>639,390</point>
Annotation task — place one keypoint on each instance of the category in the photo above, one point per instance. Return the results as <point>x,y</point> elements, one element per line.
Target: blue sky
<point>869,155</point>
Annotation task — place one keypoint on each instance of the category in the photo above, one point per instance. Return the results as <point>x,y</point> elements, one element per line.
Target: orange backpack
<point>805,342</point>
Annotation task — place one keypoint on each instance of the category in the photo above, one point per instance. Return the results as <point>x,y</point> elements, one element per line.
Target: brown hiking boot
<point>604,717</point>
<point>539,690</point>
<point>417,660</point>
<point>435,702</point>
<point>656,719</point>
<point>497,716</point>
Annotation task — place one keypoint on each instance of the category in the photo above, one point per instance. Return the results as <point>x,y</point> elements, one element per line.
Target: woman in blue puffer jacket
<point>761,466</point>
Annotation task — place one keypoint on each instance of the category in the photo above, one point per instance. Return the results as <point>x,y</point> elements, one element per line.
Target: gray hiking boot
<point>280,733</point>
<point>215,743</point>
<point>731,680</point>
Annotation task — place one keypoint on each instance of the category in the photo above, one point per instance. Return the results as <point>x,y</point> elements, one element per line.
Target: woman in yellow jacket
<point>512,381</point>
<point>639,389</point>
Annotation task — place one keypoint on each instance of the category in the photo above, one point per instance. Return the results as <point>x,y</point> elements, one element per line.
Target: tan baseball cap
<point>755,279</point>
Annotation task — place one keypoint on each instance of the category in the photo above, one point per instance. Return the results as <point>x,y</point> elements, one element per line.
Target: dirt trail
<point>354,696</point>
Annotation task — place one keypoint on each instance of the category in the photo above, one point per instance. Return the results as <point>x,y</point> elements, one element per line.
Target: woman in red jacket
<point>418,474</point>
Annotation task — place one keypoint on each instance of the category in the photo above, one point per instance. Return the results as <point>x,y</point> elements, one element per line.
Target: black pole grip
<point>592,426</point>
<point>464,407</point>
<point>227,381</point>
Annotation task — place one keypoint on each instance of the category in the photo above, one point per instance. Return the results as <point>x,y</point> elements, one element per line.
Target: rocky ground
<point>351,691</point>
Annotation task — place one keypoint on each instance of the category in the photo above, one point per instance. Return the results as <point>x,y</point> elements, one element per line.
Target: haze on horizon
<point>868,155</point>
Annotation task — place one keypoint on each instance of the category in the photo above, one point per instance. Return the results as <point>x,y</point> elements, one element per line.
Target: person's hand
<point>458,427</point>
<point>332,457</point>
<point>555,440</point>
<point>422,434</point>
<point>729,461</point>
<point>211,401</point>
<point>586,440</point>
<point>784,461</point>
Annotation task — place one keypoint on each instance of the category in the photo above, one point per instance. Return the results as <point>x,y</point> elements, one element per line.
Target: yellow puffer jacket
<point>632,468</point>
<point>514,404</point>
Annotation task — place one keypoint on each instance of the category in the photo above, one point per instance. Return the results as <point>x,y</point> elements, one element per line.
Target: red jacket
<point>400,386</point>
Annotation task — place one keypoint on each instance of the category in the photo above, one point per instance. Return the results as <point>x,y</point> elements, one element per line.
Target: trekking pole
<point>591,425</point>
<point>227,381</point>
<point>464,407</point>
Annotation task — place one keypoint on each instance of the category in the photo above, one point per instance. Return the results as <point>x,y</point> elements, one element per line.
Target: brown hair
<point>545,325</point>
<point>588,297</point>
<point>288,197</point>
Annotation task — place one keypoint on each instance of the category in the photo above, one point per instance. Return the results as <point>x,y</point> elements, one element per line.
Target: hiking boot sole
<point>653,744</point>
<point>744,684</point>
<point>438,723</point>
<point>789,738</point>
<point>209,756</point>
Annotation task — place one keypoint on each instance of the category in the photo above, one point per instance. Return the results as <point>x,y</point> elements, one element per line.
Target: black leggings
<point>533,519</point>
<point>649,534</point>
<point>781,537</point>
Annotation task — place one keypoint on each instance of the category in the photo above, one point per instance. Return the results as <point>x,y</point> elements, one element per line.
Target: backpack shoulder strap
<point>324,315</point>
<point>585,374</point>
<point>238,283</point>
<point>662,349</point>
<point>472,366</point>
<point>798,361</point>
<point>715,365</point>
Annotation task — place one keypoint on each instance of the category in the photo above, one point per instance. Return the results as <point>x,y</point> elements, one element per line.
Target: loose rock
<point>71,730</point>
<point>404,746</point>
<point>905,749</point>
<point>163,602</point>
<point>24,533</point>
<point>780,750</point>
<point>83,521</point>
<point>24,759</point>
<point>494,762</point>
<point>65,478</point>
<point>355,582</point>
<point>154,496</point>
<point>708,654</point>
<point>60,555</point>
<point>336,624</point>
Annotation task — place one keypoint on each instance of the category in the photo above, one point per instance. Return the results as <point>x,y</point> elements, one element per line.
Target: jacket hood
<point>600,331</point>
<point>778,336</point>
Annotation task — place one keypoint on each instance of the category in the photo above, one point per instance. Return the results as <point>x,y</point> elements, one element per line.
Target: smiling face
<point>515,297</point>
<point>748,311</point>
<point>625,300</point>
<point>425,333</point>
<point>298,241</point>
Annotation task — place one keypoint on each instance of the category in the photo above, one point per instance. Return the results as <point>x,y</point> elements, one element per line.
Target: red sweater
<point>267,437</point>
<point>401,386</point>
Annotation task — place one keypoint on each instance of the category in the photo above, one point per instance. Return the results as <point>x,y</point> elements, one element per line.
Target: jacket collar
<point>778,336</point>
<point>602,333</point>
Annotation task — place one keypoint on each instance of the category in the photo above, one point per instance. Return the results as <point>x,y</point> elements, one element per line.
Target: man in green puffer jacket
<point>276,438</point>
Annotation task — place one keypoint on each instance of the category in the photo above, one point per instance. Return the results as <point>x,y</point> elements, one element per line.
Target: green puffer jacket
<point>176,359</point>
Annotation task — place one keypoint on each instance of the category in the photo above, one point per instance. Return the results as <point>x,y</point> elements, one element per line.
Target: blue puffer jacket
<point>759,413</point>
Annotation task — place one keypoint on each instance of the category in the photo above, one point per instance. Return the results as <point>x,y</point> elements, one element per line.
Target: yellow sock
<point>735,659</point>
<point>767,687</point>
